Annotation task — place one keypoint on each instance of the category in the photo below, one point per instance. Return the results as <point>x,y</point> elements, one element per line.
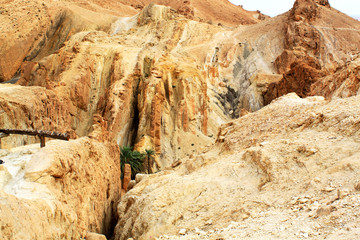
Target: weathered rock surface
<point>165,78</point>
<point>37,29</point>
<point>271,174</point>
<point>61,191</point>
<point>217,12</point>
<point>159,80</point>
<point>320,43</point>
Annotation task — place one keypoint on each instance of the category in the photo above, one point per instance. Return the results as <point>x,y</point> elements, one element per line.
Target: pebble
<point>182,231</point>
<point>357,186</point>
<point>328,189</point>
<point>317,180</point>
<point>295,210</point>
<point>304,234</point>
<point>303,200</point>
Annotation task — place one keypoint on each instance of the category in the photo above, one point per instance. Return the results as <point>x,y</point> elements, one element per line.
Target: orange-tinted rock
<point>127,176</point>
<point>299,80</point>
<point>309,53</point>
<point>343,83</point>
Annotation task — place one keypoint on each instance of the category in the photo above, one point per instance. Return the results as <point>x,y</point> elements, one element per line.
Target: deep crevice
<point>110,229</point>
<point>135,120</point>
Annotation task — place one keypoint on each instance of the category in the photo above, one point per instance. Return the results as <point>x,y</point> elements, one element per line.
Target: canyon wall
<point>165,82</point>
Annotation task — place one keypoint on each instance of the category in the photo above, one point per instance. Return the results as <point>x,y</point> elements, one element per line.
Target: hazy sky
<point>276,7</point>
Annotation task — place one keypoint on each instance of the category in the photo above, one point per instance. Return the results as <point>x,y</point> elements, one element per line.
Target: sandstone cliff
<point>136,71</point>
<point>144,83</point>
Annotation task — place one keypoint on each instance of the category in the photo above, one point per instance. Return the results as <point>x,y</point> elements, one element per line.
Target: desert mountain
<point>41,27</point>
<point>253,120</point>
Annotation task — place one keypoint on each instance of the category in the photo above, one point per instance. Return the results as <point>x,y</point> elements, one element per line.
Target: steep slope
<point>286,171</point>
<point>35,29</point>
<point>320,41</point>
<point>152,78</point>
<point>40,28</point>
<point>218,12</point>
<point>159,79</point>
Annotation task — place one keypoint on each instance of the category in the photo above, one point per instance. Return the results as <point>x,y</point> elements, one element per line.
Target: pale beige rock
<point>131,185</point>
<point>94,236</point>
<point>140,177</point>
<point>164,82</point>
<point>71,186</point>
<point>258,186</point>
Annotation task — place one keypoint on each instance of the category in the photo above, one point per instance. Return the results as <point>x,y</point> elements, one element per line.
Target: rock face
<point>291,160</point>
<point>129,83</point>
<point>165,77</point>
<point>315,49</point>
<point>40,28</point>
<point>218,12</point>
<point>160,100</point>
<point>61,191</point>
<point>153,64</point>
<point>36,29</point>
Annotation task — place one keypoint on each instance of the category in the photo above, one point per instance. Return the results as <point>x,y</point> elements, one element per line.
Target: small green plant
<point>134,158</point>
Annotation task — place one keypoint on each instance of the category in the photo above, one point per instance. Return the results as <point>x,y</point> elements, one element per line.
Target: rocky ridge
<point>40,28</point>
<point>316,50</point>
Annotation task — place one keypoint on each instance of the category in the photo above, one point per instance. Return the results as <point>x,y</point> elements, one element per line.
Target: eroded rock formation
<point>165,77</point>
<point>36,29</point>
<point>40,28</point>
<point>148,82</point>
<point>61,191</point>
<point>319,42</point>
<point>294,159</point>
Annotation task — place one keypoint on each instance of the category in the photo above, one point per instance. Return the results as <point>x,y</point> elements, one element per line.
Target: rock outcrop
<point>294,159</point>
<point>162,81</point>
<point>39,28</point>
<point>319,42</point>
<point>217,12</point>
<point>61,191</point>
<point>126,84</point>
<point>165,77</point>
<point>157,63</point>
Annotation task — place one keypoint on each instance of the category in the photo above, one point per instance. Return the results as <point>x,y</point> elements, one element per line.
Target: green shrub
<point>134,158</point>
